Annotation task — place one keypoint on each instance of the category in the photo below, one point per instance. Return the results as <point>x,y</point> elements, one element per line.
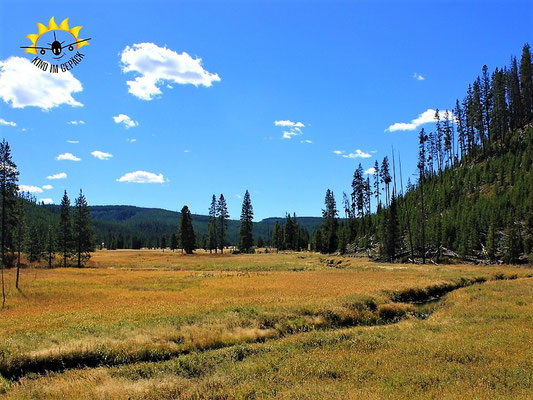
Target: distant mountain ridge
<point>149,224</point>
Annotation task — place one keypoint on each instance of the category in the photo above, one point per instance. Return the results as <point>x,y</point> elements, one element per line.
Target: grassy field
<point>148,324</point>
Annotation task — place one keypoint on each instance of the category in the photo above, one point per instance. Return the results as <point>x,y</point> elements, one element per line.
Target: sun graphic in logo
<point>56,47</point>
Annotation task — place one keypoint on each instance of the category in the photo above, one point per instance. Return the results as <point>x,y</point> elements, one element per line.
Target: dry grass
<point>142,305</point>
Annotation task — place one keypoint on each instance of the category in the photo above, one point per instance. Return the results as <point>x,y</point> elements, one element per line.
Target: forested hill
<point>473,198</point>
<point>147,225</point>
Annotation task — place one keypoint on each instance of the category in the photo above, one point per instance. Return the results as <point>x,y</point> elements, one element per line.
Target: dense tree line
<point>24,231</point>
<point>474,192</point>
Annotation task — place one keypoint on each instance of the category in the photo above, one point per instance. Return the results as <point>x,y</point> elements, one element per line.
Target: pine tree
<point>329,224</point>
<point>526,83</point>
<point>391,238</point>
<point>82,227</point>
<point>8,189</point>
<point>50,245</point>
<point>260,242</point>
<point>163,243</point>
<point>246,241</point>
<point>277,237</point>
<point>316,241</point>
<point>222,216</point>
<point>376,184</point>
<point>422,138</point>
<point>212,227</point>
<point>499,115</point>
<point>385,177</point>
<point>19,233</point>
<point>187,238</point>
<point>173,242</point>
<point>64,234</point>
<point>515,100</point>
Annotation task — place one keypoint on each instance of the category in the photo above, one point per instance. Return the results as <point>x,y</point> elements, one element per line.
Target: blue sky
<point>344,70</point>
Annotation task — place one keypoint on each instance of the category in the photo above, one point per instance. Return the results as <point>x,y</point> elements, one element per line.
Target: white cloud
<point>7,123</point>
<point>60,175</point>
<point>131,140</point>
<point>424,118</point>
<point>30,189</point>
<point>238,196</point>
<point>101,155</point>
<point>288,123</point>
<point>294,128</point>
<point>47,187</point>
<point>159,64</point>
<point>418,77</point>
<point>80,122</point>
<point>46,201</point>
<point>125,120</point>
<point>338,152</point>
<point>23,84</point>
<point>68,157</point>
<point>306,141</point>
<point>73,141</point>
<point>186,151</point>
<point>370,171</point>
<point>357,154</point>
<point>141,177</point>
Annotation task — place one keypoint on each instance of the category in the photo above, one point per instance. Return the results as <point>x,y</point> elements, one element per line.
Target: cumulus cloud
<point>370,171</point>
<point>418,77</point>
<point>60,175</point>
<point>356,154</point>
<point>131,140</point>
<point>306,141</point>
<point>141,177</point>
<point>68,157</point>
<point>158,66</point>
<point>80,122</point>
<point>125,120</point>
<point>46,201</point>
<point>101,155</point>
<point>47,187</point>
<point>291,128</point>
<point>24,85</point>
<point>424,118</point>
<point>73,141</point>
<point>30,189</point>
<point>7,123</point>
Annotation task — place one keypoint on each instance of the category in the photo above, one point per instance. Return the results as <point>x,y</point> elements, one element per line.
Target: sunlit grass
<point>163,305</point>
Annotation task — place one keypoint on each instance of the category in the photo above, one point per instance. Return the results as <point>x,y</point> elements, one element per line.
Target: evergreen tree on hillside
<point>8,189</point>
<point>515,100</point>
<point>391,233</point>
<point>329,224</point>
<point>64,233</point>
<point>212,234</point>
<point>246,241</point>
<point>82,229</point>
<point>186,236</point>
<point>526,83</point>
<point>376,184</point>
<point>386,177</point>
<point>163,243</point>
<point>222,216</point>
<point>316,241</point>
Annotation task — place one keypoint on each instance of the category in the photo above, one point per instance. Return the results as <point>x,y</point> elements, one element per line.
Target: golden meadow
<point>152,324</point>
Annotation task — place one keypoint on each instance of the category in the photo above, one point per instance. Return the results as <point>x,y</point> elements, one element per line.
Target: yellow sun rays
<point>34,37</point>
